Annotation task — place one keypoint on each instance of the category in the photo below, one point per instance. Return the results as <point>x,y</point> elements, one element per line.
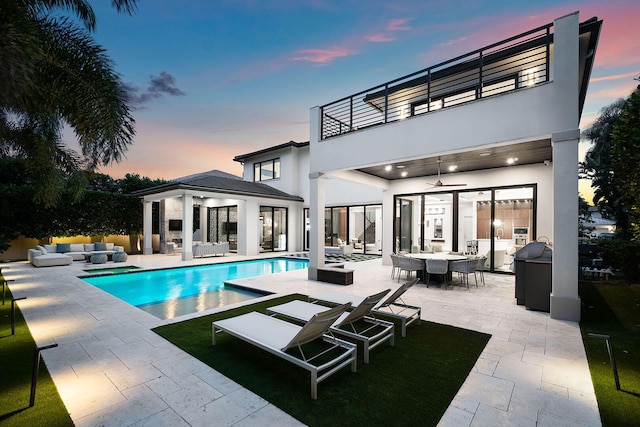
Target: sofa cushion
<point>100,246</point>
<point>63,247</point>
<point>50,248</point>
<point>77,247</point>
<point>110,246</point>
<point>42,250</point>
<point>89,247</point>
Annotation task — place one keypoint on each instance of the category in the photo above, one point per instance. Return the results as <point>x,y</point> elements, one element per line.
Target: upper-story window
<point>264,171</point>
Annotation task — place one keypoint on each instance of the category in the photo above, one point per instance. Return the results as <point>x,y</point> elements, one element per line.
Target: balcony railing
<point>518,62</point>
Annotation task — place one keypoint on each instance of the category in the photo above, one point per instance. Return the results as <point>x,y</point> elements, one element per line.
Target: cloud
<point>615,77</point>
<point>322,56</point>
<point>398,25</point>
<point>379,38</point>
<point>159,85</point>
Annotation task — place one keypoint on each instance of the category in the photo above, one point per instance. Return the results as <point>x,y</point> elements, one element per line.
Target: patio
<point>111,369</point>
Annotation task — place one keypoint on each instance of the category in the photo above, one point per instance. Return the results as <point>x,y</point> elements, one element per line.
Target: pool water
<point>177,291</point>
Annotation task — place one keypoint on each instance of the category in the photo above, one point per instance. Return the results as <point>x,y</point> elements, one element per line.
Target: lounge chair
<point>345,325</point>
<point>277,337</point>
<point>393,306</point>
<point>396,308</point>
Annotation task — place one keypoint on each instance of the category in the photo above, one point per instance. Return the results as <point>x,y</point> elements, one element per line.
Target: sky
<point>210,80</point>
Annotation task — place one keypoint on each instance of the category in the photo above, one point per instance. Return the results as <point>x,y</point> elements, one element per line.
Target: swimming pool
<point>177,291</point>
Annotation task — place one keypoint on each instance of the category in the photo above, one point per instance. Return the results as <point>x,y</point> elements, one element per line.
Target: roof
<point>216,181</point>
<point>242,157</point>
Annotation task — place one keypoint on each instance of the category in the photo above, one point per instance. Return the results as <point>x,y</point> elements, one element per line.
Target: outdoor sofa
<point>66,253</point>
<point>204,249</point>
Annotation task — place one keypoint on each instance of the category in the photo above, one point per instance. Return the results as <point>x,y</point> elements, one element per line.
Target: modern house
<point>476,154</point>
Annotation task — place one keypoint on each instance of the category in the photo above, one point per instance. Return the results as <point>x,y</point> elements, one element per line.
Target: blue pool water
<point>178,291</point>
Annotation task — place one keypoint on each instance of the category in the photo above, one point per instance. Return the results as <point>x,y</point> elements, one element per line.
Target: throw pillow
<point>89,247</point>
<point>110,246</point>
<point>42,250</point>
<point>101,246</point>
<point>63,247</point>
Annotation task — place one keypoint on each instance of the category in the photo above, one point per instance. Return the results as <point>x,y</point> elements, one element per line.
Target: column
<point>565,301</point>
<point>147,228</point>
<point>204,224</point>
<point>187,227</point>
<point>316,217</point>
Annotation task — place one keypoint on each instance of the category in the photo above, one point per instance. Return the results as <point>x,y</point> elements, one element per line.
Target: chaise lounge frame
<point>277,336</point>
<point>301,311</point>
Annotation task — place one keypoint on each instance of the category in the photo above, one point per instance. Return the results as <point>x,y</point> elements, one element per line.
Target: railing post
<point>386,102</point>
<point>429,90</point>
<point>548,55</point>
<point>13,314</point>
<point>479,89</point>
<point>34,372</point>
<point>612,358</point>
<point>350,114</point>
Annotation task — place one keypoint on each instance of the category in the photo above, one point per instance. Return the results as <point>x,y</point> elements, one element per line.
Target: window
<point>264,171</point>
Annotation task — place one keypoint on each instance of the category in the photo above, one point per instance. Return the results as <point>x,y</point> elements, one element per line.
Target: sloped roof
<point>242,157</point>
<point>216,181</point>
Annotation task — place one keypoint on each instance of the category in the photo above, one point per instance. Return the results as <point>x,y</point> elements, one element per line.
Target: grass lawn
<point>409,384</point>
<point>16,357</point>
<point>613,309</point>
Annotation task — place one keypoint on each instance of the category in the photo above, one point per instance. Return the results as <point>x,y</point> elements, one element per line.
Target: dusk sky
<point>214,79</point>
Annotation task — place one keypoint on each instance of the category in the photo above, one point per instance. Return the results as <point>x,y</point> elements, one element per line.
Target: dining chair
<point>395,265</point>
<point>464,268</point>
<point>480,261</point>
<point>409,265</point>
<point>438,267</point>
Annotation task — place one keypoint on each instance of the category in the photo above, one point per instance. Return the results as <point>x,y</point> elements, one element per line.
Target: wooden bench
<point>336,274</point>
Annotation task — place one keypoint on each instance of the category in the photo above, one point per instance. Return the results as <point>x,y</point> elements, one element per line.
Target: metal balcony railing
<point>518,62</point>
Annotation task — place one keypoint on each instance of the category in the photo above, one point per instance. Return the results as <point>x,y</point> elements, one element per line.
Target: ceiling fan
<point>439,183</point>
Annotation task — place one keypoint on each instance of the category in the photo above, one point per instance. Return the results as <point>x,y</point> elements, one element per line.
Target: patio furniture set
<point>286,328</point>
<point>439,264</point>
<point>66,253</point>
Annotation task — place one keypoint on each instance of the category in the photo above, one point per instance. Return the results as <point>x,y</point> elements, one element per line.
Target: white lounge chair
<point>345,325</point>
<point>277,336</point>
<point>396,308</point>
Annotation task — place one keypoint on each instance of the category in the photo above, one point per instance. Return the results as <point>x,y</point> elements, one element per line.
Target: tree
<point>598,163</point>
<point>584,216</point>
<point>53,73</point>
<point>625,143</point>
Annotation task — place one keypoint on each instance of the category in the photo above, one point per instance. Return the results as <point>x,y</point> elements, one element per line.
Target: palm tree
<point>53,73</point>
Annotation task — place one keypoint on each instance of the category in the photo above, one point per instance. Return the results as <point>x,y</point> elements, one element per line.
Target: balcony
<point>516,63</point>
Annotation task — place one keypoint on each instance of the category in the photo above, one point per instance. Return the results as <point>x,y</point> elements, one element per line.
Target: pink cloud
<point>322,56</point>
<point>615,77</point>
<point>398,25</point>
<point>621,90</point>
<point>379,38</point>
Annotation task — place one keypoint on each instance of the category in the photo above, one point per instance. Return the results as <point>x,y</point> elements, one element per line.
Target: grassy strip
<point>16,355</point>
<point>613,309</point>
<point>412,383</point>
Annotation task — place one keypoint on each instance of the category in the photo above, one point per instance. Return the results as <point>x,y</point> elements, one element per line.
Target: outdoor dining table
<point>437,255</point>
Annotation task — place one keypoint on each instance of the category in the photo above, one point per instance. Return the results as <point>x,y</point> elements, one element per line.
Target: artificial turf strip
<point>412,383</point>
<point>613,309</point>
<point>16,359</point>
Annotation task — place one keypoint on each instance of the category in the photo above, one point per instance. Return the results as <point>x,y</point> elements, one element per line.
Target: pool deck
<point>112,370</point>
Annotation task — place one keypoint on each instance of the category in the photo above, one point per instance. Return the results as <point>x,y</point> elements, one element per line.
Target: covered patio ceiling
<point>530,152</point>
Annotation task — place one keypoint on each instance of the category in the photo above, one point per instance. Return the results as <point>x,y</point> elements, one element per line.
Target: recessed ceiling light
<point>485,154</point>
<point>388,168</point>
<point>453,168</point>
<point>404,173</point>
<point>512,160</point>
<point>401,166</point>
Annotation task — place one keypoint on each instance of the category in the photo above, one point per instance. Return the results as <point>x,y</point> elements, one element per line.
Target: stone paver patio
<point>112,370</point>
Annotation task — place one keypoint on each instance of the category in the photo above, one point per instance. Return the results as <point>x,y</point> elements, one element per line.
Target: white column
<point>388,217</point>
<point>204,225</point>
<point>187,227</point>
<point>248,222</point>
<point>147,228</point>
<point>316,217</point>
<point>565,301</point>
